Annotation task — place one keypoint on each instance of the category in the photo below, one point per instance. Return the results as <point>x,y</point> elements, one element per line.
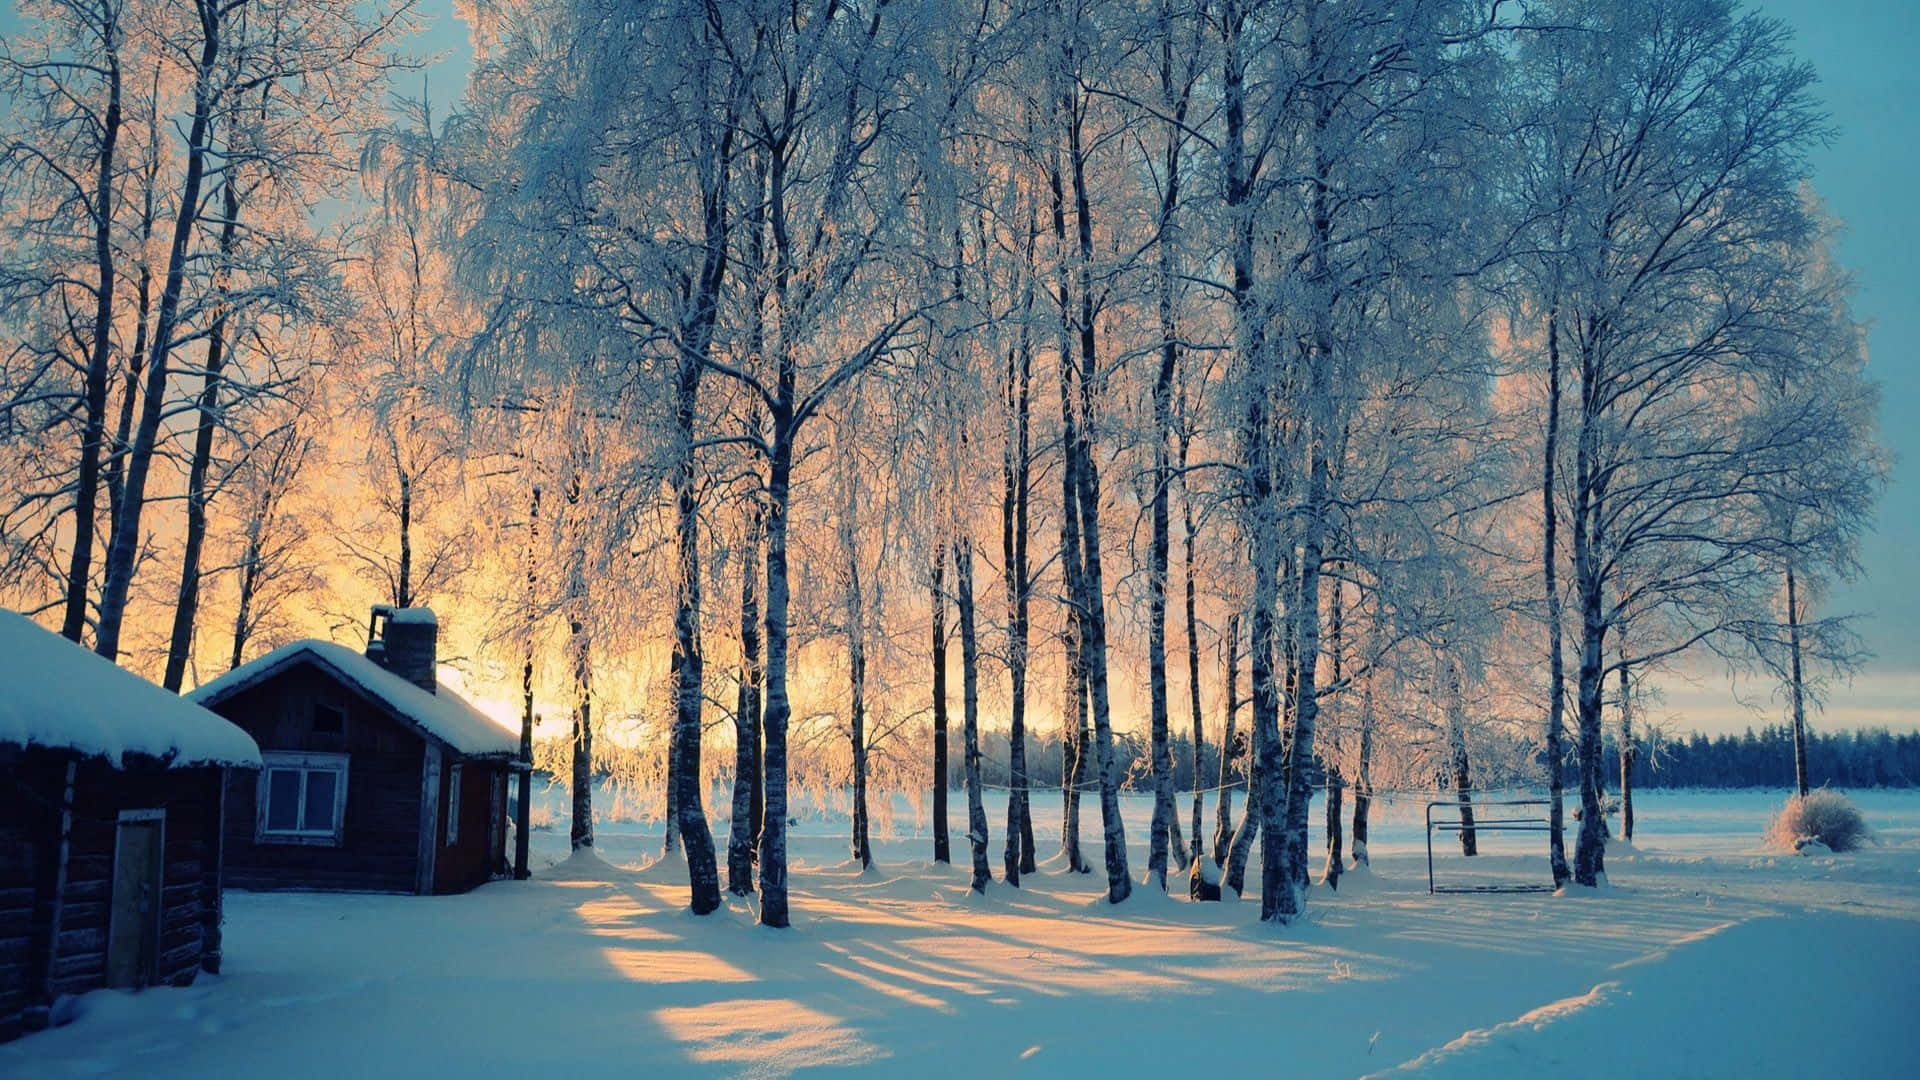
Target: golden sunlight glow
<point>755,1031</point>
<point>673,966</point>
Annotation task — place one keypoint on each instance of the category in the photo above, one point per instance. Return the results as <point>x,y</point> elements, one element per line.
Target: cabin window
<point>453,806</point>
<point>329,720</point>
<point>302,798</point>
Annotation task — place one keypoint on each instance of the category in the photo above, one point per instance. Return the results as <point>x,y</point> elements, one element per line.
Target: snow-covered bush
<point>1822,816</point>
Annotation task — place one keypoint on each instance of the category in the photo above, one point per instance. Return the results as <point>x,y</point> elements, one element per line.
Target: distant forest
<point>1874,757</point>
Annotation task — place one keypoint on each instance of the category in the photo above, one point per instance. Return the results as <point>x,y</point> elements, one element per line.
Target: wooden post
<point>211,907</point>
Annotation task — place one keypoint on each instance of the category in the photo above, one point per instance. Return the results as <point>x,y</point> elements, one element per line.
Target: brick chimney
<point>405,641</point>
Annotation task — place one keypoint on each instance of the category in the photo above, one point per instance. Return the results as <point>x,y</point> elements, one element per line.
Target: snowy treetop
<point>61,696</point>
<point>444,715</point>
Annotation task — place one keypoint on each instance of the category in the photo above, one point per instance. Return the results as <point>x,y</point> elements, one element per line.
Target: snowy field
<point>1705,956</point>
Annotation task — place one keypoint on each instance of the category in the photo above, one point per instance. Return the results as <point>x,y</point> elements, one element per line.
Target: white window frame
<point>273,761</point>
<point>453,805</point>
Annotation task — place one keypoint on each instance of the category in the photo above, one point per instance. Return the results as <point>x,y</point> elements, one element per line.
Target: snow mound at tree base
<point>1203,881</point>
<point>1148,893</point>
<point>1356,880</point>
<point>670,868</point>
<point>1575,889</point>
<point>584,864</point>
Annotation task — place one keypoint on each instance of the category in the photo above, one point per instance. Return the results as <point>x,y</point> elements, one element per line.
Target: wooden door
<point>133,928</point>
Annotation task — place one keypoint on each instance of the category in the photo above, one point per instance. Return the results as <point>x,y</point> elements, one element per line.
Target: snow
<point>1708,956</point>
<point>61,696</point>
<point>444,715</point>
<point>414,616</point>
<point>1732,1007</point>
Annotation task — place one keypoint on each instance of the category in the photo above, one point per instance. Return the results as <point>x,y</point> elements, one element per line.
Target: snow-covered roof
<point>61,696</point>
<point>415,616</point>
<point>444,715</point>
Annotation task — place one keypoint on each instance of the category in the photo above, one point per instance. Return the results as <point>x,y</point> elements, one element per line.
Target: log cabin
<point>376,777</point>
<point>110,835</point>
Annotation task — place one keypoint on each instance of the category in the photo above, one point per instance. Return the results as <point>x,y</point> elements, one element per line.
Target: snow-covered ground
<point>1706,956</point>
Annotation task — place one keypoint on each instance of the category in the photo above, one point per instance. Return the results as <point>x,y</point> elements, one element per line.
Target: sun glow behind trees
<point>778,307</point>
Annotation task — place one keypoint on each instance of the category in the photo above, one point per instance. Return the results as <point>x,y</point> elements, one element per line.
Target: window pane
<point>320,787</point>
<point>283,800</point>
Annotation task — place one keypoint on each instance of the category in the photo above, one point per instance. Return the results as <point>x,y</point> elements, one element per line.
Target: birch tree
<point>68,82</point>
<point>748,794</point>
<point>273,562</point>
<point>1072,123</point>
<point>1819,498</point>
<point>1682,159</point>
<point>819,109</point>
<point>1176,85</point>
<point>338,51</point>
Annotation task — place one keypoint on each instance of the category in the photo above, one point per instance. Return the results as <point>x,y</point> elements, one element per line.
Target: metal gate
<point>1511,819</point>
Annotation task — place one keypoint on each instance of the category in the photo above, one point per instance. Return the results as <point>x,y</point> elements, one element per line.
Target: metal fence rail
<point>1497,824</point>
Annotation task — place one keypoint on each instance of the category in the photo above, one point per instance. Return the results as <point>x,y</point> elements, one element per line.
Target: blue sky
<point>1870,179</point>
